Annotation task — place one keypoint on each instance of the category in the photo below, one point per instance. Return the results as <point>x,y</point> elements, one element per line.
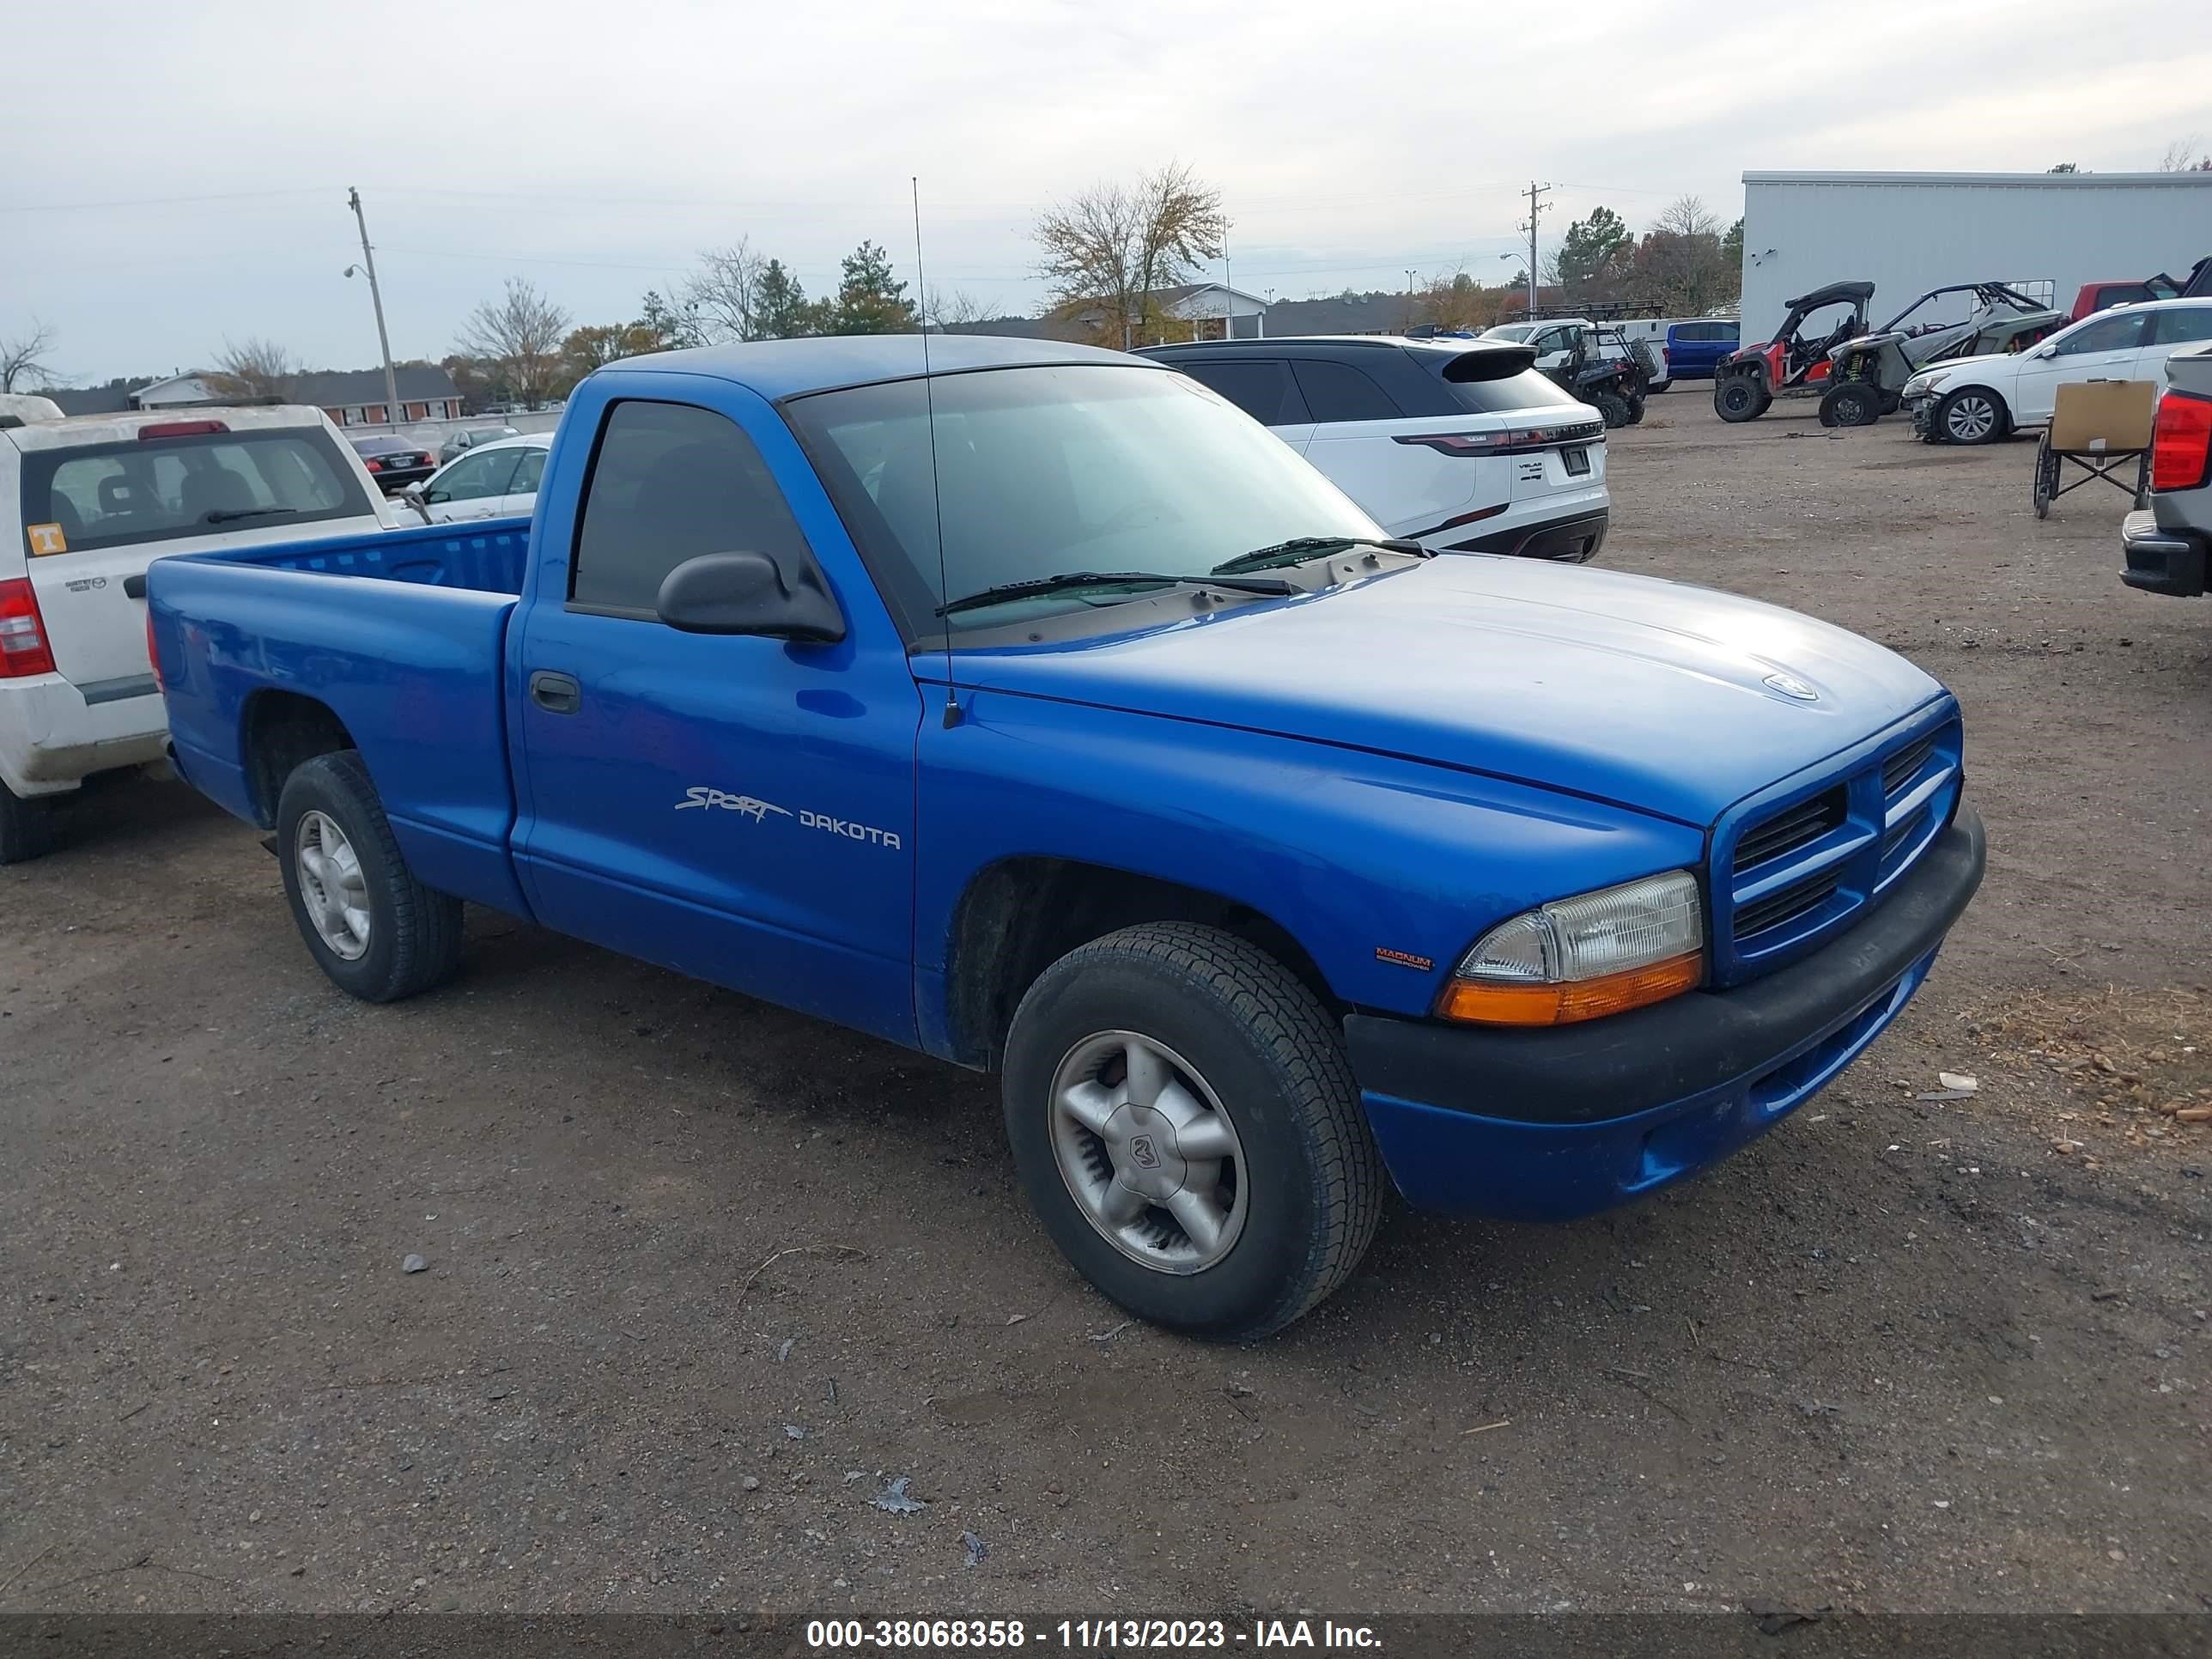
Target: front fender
<point>1384,870</point>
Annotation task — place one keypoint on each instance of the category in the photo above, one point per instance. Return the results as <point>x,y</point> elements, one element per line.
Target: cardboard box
<point>2099,416</point>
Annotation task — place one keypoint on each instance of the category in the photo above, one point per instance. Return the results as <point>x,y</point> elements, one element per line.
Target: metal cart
<point>2103,427</point>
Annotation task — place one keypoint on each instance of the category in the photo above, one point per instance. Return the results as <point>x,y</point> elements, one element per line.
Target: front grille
<point>1900,769</point>
<point>1899,833</point>
<point>1789,829</point>
<point>1800,874</point>
<point>1779,909</point>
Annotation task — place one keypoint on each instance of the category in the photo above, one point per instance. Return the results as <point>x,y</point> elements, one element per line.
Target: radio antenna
<point>936,478</point>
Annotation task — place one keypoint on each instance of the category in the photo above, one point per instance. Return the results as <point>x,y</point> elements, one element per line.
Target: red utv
<point>1795,362</point>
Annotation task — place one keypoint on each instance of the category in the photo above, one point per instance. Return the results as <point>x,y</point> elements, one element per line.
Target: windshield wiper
<point>224,515</point>
<point>1299,549</point>
<point>1067,579</point>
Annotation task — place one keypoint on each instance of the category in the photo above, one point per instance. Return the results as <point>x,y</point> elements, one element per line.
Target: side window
<point>2183,324</point>
<point>2106,334</point>
<point>475,477</point>
<point>1338,392</point>
<point>527,472</point>
<point>1261,387</point>
<point>671,481</point>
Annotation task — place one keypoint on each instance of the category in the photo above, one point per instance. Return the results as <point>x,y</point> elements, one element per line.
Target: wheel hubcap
<point>1147,1152</point>
<point>1973,418</point>
<point>332,884</point>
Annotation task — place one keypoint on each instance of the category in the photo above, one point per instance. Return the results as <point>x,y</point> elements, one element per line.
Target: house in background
<point>350,396</point>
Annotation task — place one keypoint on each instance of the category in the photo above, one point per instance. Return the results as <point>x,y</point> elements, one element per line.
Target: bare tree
<point>253,368</point>
<point>950,312</point>
<point>1113,246</point>
<point>521,332</point>
<point>1688,216</point>
<point>723,296</point>
<point>22,359</point>
<point>2184,154</point>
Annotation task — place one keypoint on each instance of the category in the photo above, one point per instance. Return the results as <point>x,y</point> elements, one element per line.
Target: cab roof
<point>777,369</point>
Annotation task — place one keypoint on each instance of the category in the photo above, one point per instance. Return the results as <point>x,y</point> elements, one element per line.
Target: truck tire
<point>1232,1183</point>
<point>26,826</point>
<point>377,932</point>
<point>1612,406</point>
<point>1739,398</point>
<point>1635,410</point>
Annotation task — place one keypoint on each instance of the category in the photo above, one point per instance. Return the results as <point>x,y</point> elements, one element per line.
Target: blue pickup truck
<point>1030,706</point>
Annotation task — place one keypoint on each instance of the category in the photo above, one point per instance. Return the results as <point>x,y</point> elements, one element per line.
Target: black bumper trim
<point>1573,541</point>
<point>2161,561</point>
<point>1630,1063</point>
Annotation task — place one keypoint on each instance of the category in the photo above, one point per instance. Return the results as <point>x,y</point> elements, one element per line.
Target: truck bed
<point>400,635</point>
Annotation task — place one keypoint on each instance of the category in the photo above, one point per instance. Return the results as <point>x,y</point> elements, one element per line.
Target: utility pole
<point>376,298</point>
<point>1537,205</point>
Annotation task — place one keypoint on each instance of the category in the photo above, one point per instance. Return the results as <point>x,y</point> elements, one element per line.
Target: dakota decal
<point>758,809</point>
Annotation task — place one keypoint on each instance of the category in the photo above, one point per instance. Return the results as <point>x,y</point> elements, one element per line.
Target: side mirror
<point>413,493</point>
<point>748,593</point>
<point>420,496</point>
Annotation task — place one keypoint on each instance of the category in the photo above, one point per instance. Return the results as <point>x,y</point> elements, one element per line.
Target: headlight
<point>1577,958</point>
<point>1920,384</point>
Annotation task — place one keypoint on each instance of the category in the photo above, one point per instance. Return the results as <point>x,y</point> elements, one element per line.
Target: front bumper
<point>2160,561</point>
<point>1546,1125</point>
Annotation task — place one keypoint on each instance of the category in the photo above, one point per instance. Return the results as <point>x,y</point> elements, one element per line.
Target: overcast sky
<point>594,146</point>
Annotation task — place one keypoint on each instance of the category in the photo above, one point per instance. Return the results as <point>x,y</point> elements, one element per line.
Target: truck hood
<point>1654,695</point>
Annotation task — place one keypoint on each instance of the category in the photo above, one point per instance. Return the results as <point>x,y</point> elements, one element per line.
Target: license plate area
<point>1576,459</point>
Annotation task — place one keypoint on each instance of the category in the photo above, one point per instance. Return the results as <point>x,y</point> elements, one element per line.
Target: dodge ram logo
<point>1142,1149</point>
<point>1790,686</point>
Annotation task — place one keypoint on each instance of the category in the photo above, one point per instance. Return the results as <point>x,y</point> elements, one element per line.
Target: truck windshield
<point>1082,467</point>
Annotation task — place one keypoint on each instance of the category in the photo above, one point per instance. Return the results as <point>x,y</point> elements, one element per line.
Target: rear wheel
<point>1969,415</point>
<point>26,826</point>
<point>1739,398</point>
<point>377,932</point>
<point>1610,405</point>
<point>1635,410</point>
<point>1186,1123</point>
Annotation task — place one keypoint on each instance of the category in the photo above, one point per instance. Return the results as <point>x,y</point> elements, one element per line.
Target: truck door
<point>737,808</point>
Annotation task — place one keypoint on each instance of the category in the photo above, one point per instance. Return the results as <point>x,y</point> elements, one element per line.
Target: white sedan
<point>1979,400</point>
<point>492,481</point>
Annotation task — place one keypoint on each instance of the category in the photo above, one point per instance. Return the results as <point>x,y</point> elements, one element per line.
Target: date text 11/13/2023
<point>1084,1635</point>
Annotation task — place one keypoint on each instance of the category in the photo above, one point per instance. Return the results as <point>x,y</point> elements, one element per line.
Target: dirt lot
<point>704,1275</point>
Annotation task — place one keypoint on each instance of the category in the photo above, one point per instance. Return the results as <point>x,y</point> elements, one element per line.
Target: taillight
<point>153,651</point>
<point>180,430</point>
<point>2181,447</point>
<point>373,463</point>
<point>23,647</point>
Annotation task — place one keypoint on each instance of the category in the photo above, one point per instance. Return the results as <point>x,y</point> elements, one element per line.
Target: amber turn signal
<point>1567,1001</point>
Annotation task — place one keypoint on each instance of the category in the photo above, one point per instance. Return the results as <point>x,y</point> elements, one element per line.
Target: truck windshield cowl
<point>1037,472</point>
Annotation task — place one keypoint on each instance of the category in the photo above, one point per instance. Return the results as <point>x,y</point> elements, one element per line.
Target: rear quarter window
<point>1527,390</point>
<point>122,494</point>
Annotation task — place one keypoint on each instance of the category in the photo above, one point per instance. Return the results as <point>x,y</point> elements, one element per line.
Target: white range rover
<point>1459,445</point>
<point>87,502</point>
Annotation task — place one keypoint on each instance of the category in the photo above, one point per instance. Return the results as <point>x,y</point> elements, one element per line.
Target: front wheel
<point>377,932</point>
<point>1186,1123</point>
<point>1635,410</point>
<point>1739,398</point>
<point>1610,405</point>
<point>1971,416</point>
<point>1855,402</point>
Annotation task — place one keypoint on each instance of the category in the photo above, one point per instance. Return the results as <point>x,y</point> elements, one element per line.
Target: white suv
<point>86,504</point>
<point>1459,445</point>
<point>1979,400</point>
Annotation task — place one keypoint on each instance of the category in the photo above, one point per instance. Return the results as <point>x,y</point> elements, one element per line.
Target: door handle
<point>556,694</point>
<point>134,587</point>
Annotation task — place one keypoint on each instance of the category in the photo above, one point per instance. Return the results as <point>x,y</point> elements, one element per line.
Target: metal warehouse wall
<point>1909,232</point>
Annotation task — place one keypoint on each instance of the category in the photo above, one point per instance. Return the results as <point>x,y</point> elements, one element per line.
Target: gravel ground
<point>702,1277</point>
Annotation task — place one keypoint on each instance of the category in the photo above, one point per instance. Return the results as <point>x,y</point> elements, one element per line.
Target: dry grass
<point>2132,1067</point>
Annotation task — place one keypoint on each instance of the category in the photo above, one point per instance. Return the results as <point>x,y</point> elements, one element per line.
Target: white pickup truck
<point>86,504</point>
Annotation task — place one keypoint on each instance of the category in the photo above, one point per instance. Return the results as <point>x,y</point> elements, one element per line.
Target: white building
<point>1909,232</point>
